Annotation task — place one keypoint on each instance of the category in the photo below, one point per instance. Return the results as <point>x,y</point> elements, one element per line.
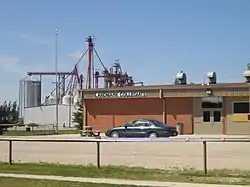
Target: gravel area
<point>150,154</point>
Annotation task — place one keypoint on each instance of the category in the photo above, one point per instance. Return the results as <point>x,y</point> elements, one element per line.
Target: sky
<point>154,40</point>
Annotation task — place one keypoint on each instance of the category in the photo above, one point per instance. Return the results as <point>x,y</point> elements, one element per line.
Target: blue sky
<point>154,40</point>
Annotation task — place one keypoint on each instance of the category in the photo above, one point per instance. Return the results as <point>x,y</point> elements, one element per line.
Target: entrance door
<point>212,120</point>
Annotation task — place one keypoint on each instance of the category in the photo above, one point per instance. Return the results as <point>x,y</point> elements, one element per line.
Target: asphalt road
<point>149,154</point>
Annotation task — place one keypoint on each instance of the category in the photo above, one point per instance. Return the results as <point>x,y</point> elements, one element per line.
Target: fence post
<point>205,156</point>
<point>98,154</point>
<point>10,152</point>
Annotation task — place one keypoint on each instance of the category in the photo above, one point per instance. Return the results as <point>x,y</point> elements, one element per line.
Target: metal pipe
<point>24,85</point>
<point>20,100</point>
<point>186,140</point>
<point>205,156</point>
<point>59,87</point>
<point>70,113</point>
<point>93,71</point>
<point>98,163</point>
<point>10,152</point>
<point>56,72</point>
<point>90,50</point>
<point>249,102</point>
<point>96,75</point>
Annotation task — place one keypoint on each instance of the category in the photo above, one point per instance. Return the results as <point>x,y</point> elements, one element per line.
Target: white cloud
<point>23,34</point>
<point>11,72</point>
<point>31,39</point>
<point>10,64</point>
<point>76,54</point>
<point>13,69</point>
<point>39,42</point>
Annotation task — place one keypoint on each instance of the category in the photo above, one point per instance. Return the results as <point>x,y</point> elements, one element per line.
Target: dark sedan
<point>142,128</point>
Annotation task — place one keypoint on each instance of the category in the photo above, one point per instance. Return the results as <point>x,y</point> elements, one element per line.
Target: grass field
<point>172,175</point>
<point>14,182</point>
<point>30,133</point>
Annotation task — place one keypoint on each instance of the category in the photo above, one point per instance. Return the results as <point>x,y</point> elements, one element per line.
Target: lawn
<point>14,182</point>
<point>31,133</point>
<point>122,172</point>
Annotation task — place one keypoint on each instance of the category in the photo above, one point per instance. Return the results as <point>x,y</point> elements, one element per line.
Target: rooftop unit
<point>247,73</point>
<point>212,77</point>
<point>181,78</point>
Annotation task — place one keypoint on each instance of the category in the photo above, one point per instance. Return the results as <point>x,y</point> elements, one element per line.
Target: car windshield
<point>128,123</point>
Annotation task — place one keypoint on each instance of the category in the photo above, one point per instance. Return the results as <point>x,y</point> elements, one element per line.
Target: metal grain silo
<point>29,94</point>
<point>33,93</point>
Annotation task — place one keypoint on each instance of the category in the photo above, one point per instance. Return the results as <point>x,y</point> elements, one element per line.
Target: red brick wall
<point>107,113</point>
<point>180,109</point>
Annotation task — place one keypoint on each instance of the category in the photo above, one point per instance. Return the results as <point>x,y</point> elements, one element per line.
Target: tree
<point>9,113</point>
<point>78,115</point>
<point>14,112</point>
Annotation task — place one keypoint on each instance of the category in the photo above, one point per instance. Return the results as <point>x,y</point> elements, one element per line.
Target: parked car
<point>142,128</point>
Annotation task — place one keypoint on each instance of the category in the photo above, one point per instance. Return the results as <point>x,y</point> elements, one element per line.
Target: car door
<point>129,129</point>
<point>123,131</point>
<point>139,129</point>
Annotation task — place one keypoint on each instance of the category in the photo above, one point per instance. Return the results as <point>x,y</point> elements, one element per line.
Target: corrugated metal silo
<point>33,93</point>
<point>29,94</point>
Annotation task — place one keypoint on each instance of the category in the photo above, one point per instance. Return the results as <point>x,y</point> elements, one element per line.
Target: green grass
<point>14,182</point>
<point>30,133</point>
<point>122,172</point>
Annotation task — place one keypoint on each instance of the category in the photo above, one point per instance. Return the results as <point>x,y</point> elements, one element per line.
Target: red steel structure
<point>75,80</point>
<point>112,77</point>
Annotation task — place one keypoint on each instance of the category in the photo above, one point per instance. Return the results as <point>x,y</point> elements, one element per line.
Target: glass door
<point>216,117</point>
<point>212,116</point>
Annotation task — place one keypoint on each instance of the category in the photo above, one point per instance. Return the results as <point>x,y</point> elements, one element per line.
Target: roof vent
<point>247,73</point>
<point>181,78</point>
<point>212,77</point>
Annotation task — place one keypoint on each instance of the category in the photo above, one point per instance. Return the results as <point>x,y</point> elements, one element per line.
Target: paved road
<point>113,181</point>
<point>151,155</point>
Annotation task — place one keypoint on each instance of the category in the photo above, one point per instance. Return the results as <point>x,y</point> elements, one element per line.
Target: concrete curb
<point>111,181</point>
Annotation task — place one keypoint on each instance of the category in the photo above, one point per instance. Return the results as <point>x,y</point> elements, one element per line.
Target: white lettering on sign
<point>120,94</point>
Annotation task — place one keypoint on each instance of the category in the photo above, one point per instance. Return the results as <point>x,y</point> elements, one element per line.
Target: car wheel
<point>152,135</point>
<point>115,134</point>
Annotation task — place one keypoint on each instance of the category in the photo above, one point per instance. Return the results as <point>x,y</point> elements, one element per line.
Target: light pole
<point>56,71</point>
<point>247,78</point>
<point>70,112</point>
<point>248,117</point>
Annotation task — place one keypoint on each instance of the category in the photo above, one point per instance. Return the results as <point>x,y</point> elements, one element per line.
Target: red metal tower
<point>89,40</point>
<point>112,77</point>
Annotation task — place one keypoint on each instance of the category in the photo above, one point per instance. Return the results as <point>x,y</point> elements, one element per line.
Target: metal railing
<point>98,141</point>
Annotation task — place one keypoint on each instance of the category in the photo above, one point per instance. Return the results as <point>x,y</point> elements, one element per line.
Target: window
<point>140,123</point>
<point>147,124</point>
<point>211,105</point>
<point>212,102</point>
<point>129,124</point>
<point>217,116</point>
<point>206,116</point>
<point>241,107</point>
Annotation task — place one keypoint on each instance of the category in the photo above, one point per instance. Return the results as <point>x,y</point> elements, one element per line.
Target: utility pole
<point>249,103</point>
<point>56,71</point>
<point>70,105</point>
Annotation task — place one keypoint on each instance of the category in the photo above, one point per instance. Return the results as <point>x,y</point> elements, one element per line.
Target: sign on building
<point>120,94</point>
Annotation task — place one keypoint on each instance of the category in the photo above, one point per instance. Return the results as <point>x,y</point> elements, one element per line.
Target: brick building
<point>204,109</point>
